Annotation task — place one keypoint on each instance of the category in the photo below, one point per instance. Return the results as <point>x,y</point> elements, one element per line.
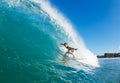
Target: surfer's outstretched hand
<point>76,49</point>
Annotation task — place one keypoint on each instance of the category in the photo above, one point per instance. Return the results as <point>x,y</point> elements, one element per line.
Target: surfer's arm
<point>75,48</point>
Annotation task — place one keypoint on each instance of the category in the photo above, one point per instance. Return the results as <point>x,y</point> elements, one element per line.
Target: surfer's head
<point>65,44</point>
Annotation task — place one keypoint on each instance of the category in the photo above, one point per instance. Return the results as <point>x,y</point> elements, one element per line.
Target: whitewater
<point>30,52</point>
<point>63,28</point>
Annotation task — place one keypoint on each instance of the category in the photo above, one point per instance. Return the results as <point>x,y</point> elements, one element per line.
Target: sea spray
<point>72,36</point>
<point>61,26</point>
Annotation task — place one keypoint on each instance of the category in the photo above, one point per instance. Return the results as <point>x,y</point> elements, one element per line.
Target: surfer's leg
<point>72,54</point>
<point>69,52</point>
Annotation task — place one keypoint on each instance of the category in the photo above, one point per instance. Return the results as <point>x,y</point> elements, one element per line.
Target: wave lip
<point>67,27</point>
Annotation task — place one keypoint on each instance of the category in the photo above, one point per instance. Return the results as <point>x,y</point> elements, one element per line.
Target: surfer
<point>70,49</point>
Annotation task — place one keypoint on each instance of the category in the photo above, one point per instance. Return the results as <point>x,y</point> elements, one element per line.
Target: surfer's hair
<point>65,43</point>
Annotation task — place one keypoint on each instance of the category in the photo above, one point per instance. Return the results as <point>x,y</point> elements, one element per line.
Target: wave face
<point>30,33</point>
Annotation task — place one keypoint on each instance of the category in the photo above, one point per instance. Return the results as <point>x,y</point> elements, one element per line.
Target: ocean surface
<point>30,35</point>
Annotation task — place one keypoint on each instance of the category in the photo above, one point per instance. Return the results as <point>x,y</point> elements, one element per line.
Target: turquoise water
<point>29,50</point>
<point>109,70</point>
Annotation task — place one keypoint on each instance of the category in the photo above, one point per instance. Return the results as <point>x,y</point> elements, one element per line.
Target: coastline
<point>109,55</point>
<point>110,58</point>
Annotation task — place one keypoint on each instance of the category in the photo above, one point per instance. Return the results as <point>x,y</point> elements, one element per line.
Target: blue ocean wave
<point>30,50</point>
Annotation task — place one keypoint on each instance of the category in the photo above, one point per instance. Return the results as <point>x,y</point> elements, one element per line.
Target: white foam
<point>65,24</point>
<point>12,3</point>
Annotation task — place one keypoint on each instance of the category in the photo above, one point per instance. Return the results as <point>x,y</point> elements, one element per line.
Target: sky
<point>96,21</point>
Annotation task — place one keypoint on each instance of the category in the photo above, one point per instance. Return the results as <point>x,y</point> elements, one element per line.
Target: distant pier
<point>109,55</point>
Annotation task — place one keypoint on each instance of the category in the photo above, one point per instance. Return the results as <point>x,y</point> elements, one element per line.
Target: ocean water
<point>30,34</point>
